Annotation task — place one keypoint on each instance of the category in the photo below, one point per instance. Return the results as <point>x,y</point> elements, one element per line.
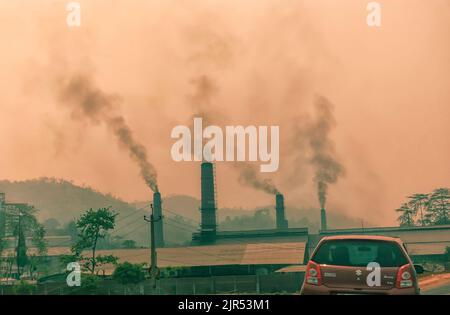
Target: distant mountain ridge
<point>64,201</point>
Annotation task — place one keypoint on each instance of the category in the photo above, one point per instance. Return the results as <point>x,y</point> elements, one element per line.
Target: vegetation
<point>93,226</point>
<point>40,257</point>
<point>128,273</point>
<point>128,244</point>
<point>90,283</point>
<point>21,223</point>
<point>2,246</point>
<point>63,201</point>
<point>261,219</point>
<point>24,288</point>
<point>426,209</point>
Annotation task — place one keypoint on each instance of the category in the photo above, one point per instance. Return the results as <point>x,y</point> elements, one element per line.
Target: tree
<point>439,206</point>
<point>406,217</point>
<point>24,224</point>
<point>51,225</point>
<point>21,249</point>
<point>38,241</point>
<point>419,204</point>
<point>24,288</point>
<point>431,209</point>
<point>71,230</point>
<point>129,244</point>
<point>2,246</point>
<point>260,219</point>
<point>93,226</point>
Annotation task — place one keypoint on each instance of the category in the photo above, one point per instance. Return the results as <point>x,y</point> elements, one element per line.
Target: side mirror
<point>419,269</point>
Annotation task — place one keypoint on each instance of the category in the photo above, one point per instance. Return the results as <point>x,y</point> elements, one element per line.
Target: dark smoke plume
<point>88,101</point>
<point>205,89</point>
<point>250,176</point>
<point>326,166</point>
<point>201,100</point>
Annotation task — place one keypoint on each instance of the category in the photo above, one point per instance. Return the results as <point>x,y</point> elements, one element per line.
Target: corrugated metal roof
<point>432,248</point>
<point>295,268</point>
<point>218,255</point>
<point>385,230</point>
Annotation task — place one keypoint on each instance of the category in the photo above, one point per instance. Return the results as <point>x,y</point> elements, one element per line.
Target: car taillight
<point>404,277</point>
<point>313,275</point>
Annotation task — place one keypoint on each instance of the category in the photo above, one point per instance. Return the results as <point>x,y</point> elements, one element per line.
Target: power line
<point>179,215</point>
<point>181,223</point>
<point>137,227</point>
<point>133,212</point>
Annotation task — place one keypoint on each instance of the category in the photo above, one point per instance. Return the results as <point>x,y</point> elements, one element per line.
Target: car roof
<point>362,237</point>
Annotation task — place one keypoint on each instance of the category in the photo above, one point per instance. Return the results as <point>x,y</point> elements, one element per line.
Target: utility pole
<point>154,271</point>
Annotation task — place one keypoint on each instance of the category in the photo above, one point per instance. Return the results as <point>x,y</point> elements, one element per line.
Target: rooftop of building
<point>256,233</point>
<point>243,254</point>
<point>362,237</point>
<point>385,229</point>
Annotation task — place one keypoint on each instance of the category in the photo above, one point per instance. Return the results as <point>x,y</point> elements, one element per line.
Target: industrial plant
<point>216,260</point>
<point>209,232</point>
<point>215,252</point>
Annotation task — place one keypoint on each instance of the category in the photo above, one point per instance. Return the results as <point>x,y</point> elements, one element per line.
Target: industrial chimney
<point>157,215</point>
<point>2,216</point>
<point>282,223</point>
<point>208,203</point>
<point>323,219</point>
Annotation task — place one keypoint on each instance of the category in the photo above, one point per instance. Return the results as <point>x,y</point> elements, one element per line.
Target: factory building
<point>209,232</point>
<point>249,250</point>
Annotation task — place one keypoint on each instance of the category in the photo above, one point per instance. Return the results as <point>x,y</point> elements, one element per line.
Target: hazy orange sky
<point>390,87</point>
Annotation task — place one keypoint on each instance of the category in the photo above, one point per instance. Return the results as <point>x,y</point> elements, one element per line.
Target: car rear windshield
<point>359,253</point>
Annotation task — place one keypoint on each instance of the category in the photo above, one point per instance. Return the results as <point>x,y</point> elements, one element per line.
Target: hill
<point>64,201</point>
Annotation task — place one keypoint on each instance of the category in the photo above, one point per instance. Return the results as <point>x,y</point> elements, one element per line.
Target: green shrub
<point>24,288</point>
<point>128,273</point>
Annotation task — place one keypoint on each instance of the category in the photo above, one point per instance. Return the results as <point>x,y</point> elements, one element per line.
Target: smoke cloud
<point>326,166</point>
<point>201,101</point>
<point>88,101</point>
<point>250,176</point>
<point>265,60</point>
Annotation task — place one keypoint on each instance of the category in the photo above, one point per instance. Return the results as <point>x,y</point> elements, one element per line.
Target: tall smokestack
<point>282,223</point>
<point>208,204</point>
<point>2,216</point>
<point>159,230</point>
<point>323,219</point>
